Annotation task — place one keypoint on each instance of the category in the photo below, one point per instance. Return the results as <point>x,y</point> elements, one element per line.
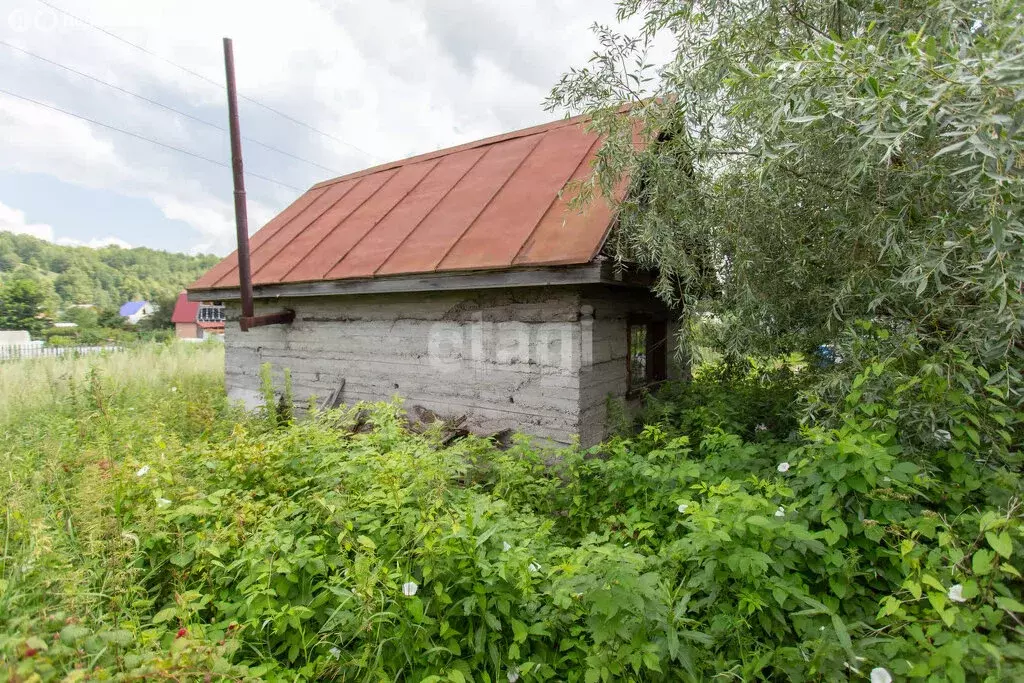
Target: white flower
<point>335,652</point>
<point>512,675</point>
<point>506,546</point>
<point>682,507</point>
<point>761,427</point>
<point>783,467</point>
<point>942,436</point>
<point>142,471</point>
<point>956,593</point>
<point>534,567</point>
<point>162,502</point>
<point>173,389</point>
<point>409,589</point>
<point>781,512</point>
<point>880,675</point>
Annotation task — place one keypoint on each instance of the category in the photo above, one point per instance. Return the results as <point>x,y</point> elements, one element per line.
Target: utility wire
<point>164,106</point>
<point>208,80</point>
<point>143,137</point>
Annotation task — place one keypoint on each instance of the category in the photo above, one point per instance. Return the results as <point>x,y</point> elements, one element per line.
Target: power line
<point>208,80</point>
<point>143,137</point>
<point>163,106</point>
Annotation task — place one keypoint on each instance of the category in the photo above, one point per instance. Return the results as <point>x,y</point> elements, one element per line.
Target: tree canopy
<point>811,163</point>
<point>105,277</point>
<point>820,172</point>
<point>21,303</point>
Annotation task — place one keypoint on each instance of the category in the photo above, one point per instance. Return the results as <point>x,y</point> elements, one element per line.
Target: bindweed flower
<point>534,567</point>
<point>956,593</point>
<point>142,471</point>
<point>880,675</point>
<point>783,467</point>
<point>942,436</point>
<point>506,546</point>
<point>335,652</point>
<point>512,675</point>
<point>174,389</point>
<point>682,507</point>
<point>162,502</point>
<point>781,512</point>
<point>409,589</point>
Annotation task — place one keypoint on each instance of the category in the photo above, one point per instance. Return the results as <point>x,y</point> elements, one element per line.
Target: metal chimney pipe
<point>248,318</point>
<point>241,215</point>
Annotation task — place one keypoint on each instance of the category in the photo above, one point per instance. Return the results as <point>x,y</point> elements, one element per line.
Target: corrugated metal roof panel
<point>496,203</point>
<point>494,239</point>
<point>377,245</point>
<point>438,233</point>
<point>225,273</point>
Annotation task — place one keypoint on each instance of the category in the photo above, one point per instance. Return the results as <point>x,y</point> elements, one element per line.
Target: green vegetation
<point>153,531</point>
<point>37,277</point>
<point>823,179</point>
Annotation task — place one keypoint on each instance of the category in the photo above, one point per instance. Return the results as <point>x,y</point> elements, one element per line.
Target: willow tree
<point>827,171</point>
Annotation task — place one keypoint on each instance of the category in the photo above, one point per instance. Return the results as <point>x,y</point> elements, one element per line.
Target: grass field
<point>65,424</point>
<point>151,531</point>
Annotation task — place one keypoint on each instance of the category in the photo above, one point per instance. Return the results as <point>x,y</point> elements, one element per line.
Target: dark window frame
<point>655,354</point>
<point>210,313</point>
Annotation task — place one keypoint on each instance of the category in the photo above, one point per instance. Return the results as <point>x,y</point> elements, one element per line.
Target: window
<point>647,358</point>
<point>210,314</point>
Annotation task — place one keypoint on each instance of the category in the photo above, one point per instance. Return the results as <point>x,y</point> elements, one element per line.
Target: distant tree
<point>161,318</point>
<point>75,286</point>
<point>8,260</point>
<point>107,277</point>
<point>85,318</point>
<point>110,317</point>
<point>21,302</point>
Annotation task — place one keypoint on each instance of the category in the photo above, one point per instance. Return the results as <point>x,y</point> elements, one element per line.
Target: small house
<point>134,311</point>
<point>196,321</point>
<point>462,281</point>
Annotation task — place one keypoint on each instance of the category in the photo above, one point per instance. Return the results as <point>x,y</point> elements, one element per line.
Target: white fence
<point>37,351</point>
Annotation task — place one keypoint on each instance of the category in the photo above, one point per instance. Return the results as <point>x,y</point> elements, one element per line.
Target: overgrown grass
<point>152,531</point>
<point>41,384</point>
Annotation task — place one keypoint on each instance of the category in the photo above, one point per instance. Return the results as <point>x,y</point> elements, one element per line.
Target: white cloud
<point>96,243</point>
<point>394,77</point>
<point>14,220</point>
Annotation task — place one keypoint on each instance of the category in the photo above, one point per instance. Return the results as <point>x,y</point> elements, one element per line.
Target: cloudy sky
<point>386,79</point>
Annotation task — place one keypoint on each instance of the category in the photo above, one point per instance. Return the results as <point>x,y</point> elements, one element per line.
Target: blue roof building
<point>134,311</point>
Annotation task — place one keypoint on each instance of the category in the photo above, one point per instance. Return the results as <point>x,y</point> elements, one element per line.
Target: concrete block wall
<point>603,385</point>
<point>545,361</point>
<point>507,359</point>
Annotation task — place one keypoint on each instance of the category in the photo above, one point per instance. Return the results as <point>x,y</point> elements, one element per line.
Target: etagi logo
<point>42,19</point>
<point>553,347</point>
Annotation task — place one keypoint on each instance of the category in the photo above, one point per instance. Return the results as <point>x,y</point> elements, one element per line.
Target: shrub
<point>194,538</point>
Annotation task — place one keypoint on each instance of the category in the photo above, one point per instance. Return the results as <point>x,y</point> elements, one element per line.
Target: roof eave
<point>597,272</point>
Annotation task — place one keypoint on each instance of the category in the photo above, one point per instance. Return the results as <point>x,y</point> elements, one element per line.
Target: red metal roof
<point>492,204</point>
<point>185,311</point>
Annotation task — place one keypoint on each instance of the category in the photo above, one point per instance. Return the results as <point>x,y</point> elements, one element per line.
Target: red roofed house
<point>460,280</point>
<point>195,320</point>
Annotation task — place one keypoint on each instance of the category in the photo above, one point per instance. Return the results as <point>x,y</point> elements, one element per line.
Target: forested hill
<point>106,277</point>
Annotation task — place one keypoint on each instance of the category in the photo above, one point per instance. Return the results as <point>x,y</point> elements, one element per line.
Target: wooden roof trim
<point>598,272</point>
